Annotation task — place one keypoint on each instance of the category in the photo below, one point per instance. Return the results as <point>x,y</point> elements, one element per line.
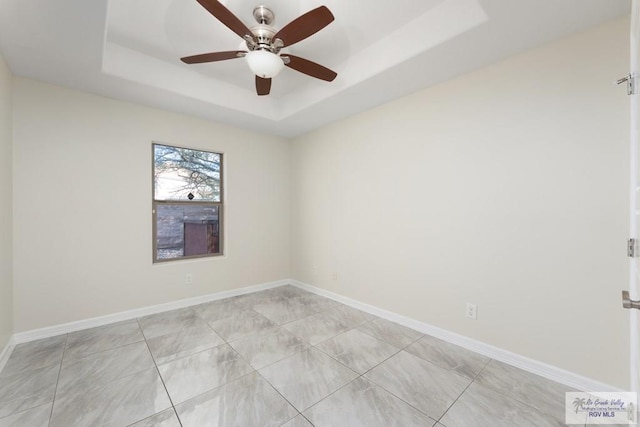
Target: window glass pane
<point>184,174</point>
<point>186,230</point>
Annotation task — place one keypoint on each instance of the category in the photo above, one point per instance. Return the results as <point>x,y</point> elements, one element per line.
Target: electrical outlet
<point>334,276</point>
<point>188,279</point>
<point>472,311</point>
<point>315,269</point>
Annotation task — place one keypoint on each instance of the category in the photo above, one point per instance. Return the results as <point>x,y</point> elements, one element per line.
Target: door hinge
<point>627,302</point>
<point>632,248</point>
<point>631,83</point>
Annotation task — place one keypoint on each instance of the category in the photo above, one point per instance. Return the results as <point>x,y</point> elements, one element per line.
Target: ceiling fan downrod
<point>263,33</point>
<point>263,43</point>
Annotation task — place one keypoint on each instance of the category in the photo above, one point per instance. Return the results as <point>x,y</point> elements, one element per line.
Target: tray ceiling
<point>381,50</point>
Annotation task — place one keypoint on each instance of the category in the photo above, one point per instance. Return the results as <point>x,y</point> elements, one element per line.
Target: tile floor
<point>282,357</point>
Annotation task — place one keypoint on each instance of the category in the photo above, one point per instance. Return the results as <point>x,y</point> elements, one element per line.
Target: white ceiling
<point>381,50</point>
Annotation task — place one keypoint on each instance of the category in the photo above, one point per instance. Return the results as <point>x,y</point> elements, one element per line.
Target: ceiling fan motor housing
<point>263,35</point>
<point>264,32</point>
<point>262,43</point>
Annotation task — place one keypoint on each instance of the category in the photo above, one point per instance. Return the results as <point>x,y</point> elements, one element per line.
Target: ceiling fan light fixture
<point>264,63</point>
<point>262,44</point>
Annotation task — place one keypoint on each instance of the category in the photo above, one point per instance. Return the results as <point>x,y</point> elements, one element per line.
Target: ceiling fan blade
<point>212,57</point>
<point>263,86</point>
<point>227,17</point>
<point>305,26</point>
<point>310,68</point>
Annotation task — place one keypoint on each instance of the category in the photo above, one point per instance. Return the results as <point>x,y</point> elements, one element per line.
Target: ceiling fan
<point>264,43</point>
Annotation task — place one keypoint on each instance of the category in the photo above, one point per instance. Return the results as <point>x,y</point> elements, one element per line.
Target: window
<point>187,203</point>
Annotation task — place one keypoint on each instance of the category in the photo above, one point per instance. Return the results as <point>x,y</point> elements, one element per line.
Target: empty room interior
<point>276,213</point>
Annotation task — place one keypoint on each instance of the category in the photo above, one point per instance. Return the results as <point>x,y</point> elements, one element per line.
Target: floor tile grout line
<point>110,348</point>
<point>246,337</point>
<point>88,355</point>
<point>311,315</point>
<point>472,377</point>
<point>175,412</point>
<point>102,326</point>
<point>357,328</point>
<point>159,375</point>
<point>215,388</point>
<point>340,332</point>
<point>511,396</point>
<point>533,408</point>
<point>266,380</point>
<point>209,325</point>
<point>359,375</point>
<point>376,365</point>
<point>271,330</point>
<point>280,327</point>
<point>307,316</point>
<point>389,391</point>
<point>226,340</point>
<point>83,358</point>
<point>280,394</point>
<point>186,355</point>
<point>30,372</point>
<point>394,354</point>
<point>199,315</point>
<point>281,323</point>
<point>295,320</point>
<point>253,335</point>
<point>189,354</point>
<point>153,415</point>
<point>473,380</point>
<point>55,391</point>
<point>463,391</point>
<point>382,339</point>
<point>158,314</point>
<point>24,410</point>
<point>398,397</point>
<point>27,368</point>
<point>128,375</point>
<point>343,364</point>
<point>334,358</point>
<point>332,393</point>
<point>308,420</point>
<point>284,358</point>
<point>279,360</point>
<point>239,356</point>
<point>392,393</point>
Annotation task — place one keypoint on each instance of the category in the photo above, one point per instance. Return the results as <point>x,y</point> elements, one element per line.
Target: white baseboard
<point>66,328</point>
<point>6,352</point>
<point>539,368</point>
<point>544,370</point>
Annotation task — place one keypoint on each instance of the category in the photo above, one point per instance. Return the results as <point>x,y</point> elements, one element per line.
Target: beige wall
<point>506,188</point>
<point>6,206</point>
<point>82,187</point>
